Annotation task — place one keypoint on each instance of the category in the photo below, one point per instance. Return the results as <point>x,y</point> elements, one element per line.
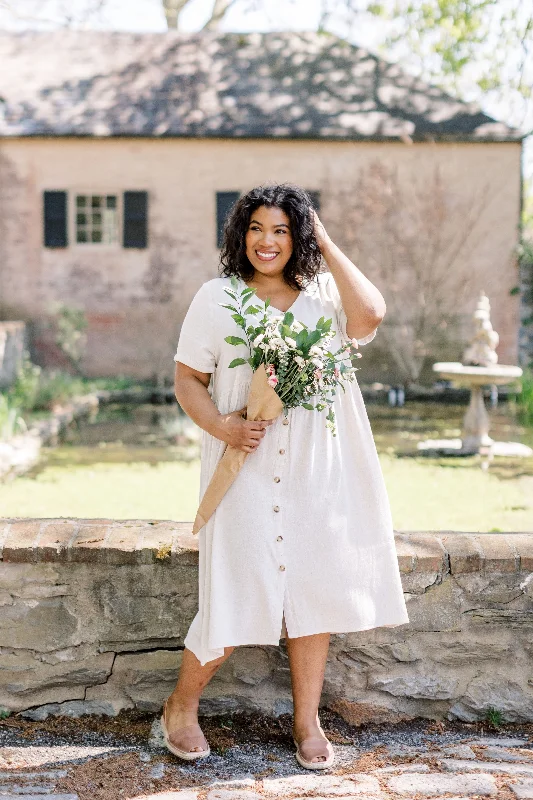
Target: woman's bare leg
<point>307,659</point>
<point>182,705</point>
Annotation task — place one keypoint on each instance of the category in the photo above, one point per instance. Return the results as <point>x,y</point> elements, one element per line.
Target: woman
<point>302,544</point>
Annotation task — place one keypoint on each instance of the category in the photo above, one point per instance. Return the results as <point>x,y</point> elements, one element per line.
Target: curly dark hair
<point>306,257</point>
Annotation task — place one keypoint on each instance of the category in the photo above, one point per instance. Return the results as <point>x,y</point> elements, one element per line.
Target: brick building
<point>120,154</point>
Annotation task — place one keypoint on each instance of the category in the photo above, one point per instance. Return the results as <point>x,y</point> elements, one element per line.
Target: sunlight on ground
<point>423,496</point>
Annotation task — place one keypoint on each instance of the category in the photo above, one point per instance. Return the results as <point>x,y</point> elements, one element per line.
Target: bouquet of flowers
<point>299,364</point>
<point>292,366</point>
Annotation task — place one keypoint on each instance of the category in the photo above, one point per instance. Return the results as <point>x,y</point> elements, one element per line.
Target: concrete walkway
<point>388,764</point>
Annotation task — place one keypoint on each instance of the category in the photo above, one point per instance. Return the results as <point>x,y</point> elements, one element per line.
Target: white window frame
<point>73,225</point>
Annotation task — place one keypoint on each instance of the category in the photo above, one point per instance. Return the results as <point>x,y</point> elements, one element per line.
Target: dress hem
<point>219,649</point>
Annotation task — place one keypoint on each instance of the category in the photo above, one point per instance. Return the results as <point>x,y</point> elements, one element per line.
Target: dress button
<point>279,539</point>
<point>285,421</point>
<point>276,508</point>
<point>282,452</point>
<point>282,568</point>
<point>277,479</point>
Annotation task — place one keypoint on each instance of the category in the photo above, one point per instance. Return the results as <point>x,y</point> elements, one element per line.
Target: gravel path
<point>253,759</point>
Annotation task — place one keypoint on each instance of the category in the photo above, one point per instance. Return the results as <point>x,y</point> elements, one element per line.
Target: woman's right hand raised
<point>241,433</point>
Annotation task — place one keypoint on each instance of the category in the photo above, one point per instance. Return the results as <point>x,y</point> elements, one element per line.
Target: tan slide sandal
<point>186,755</point>
<point>319,747</point>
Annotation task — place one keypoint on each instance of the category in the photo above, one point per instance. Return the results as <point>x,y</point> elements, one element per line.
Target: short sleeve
<point>197,342</point>
<point>332,294</point>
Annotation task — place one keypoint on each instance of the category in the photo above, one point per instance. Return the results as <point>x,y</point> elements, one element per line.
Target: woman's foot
<point>183,735</point>
<point>313,750</point>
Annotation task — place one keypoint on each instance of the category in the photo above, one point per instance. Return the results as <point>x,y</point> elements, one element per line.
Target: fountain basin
<point>469,375</point>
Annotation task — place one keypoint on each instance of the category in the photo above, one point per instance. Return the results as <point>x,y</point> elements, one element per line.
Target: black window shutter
<point>315,199</point>
<point>225,202</point>
<point>135,219</point>
<point>55,219</point>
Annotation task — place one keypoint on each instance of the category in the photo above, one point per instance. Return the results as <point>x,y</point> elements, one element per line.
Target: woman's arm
<point>190,388</point>
<point>363,303</point>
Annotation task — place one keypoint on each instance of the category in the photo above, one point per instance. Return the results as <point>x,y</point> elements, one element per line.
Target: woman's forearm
<point>195,400</point>
<point>363,303</point>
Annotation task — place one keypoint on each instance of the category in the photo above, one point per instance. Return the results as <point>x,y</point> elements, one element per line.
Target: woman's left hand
<point>320,232</point>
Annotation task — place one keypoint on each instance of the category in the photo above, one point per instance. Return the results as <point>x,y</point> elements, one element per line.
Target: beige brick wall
<point>135,299</point>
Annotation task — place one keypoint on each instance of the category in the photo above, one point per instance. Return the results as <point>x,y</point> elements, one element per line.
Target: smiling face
<point>269,240</point>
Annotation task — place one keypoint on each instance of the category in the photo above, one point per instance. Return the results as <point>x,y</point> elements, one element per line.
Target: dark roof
<point>276,85</point>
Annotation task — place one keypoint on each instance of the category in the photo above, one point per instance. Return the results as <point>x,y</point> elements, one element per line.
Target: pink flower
<point>355,343</point>
<point>271,370</point>
<point>273,381</point>
<point>337,372</point>
<point>318,373</point>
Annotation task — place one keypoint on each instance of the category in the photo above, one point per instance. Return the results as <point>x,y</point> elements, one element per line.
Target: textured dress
<point>304,535</point>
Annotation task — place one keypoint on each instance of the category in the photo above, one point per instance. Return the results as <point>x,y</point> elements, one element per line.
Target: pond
<point>141,461</point>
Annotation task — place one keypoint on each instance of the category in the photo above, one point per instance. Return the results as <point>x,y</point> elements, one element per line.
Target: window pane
<point>111,201</point>
<point>81,235</point>
<point>81,219</point>
<point>97,219</point>
<point>96,201</point>
<point>81,201</point>
<point>96,236</point>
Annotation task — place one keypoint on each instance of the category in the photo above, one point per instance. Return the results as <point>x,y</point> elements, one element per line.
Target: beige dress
<point>305,532</point>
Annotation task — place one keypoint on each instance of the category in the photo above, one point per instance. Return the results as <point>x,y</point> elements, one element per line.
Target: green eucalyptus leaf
<point>251,310</point>
<point>288,319</point>
<point>308,406</point>
<point>231,308</point>
<point>237,362</point>
<point>234,282</point>
<point>239,319</point>
<point>234,340</point>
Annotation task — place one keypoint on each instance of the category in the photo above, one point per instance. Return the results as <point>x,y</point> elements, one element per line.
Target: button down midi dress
<point>304,535</point>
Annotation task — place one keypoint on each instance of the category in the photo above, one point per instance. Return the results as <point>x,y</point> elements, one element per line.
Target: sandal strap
<point>195,736</point>
<point>315,746</point>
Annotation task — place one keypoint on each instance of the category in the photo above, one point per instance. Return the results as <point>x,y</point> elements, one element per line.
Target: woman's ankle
<point>185,705</point>
<point>306,726</point>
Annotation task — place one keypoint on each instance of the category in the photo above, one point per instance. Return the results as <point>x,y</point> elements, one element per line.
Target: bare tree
<point>220,9</point>
<point>417,239</point>
<point>173,9</point>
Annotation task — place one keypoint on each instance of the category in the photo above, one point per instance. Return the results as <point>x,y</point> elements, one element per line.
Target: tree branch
<point>220,9</point>
<point>173,9</point>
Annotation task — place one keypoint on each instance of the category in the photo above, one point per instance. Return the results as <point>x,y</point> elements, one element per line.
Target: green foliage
<point>24,391</point>
<point>524,398</point>
<point>11,421</point>
<point>494,717</point>
<point>5,713</point>
<point>57,388</point>
<point>70,333</point>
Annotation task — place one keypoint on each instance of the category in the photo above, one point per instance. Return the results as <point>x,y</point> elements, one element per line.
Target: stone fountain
<point>478,368</point>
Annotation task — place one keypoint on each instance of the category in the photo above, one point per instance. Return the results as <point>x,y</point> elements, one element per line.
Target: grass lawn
<point>423,495</point>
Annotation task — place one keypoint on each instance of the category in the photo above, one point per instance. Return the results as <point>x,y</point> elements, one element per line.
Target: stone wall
<point>94,612</point>
<point>12,335</point>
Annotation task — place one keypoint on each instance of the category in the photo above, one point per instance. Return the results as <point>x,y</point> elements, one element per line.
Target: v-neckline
<point>275,307</point>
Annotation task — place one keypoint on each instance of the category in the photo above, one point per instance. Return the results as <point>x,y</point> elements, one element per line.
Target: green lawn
<point>424,495</point>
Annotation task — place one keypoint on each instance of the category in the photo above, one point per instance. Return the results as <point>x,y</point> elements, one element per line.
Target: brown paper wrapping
<point>263,403</point>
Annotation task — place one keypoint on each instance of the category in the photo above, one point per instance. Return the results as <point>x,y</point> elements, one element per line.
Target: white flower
<point>317,362</point>
<point>300,361</point>
<point>315,351</point>
<point>290,341</point>
<point>259,339</point>
<point>278,343</point>
<point>297,326</point>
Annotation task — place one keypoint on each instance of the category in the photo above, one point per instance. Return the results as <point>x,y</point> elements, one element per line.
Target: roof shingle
<point>276,85</point>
